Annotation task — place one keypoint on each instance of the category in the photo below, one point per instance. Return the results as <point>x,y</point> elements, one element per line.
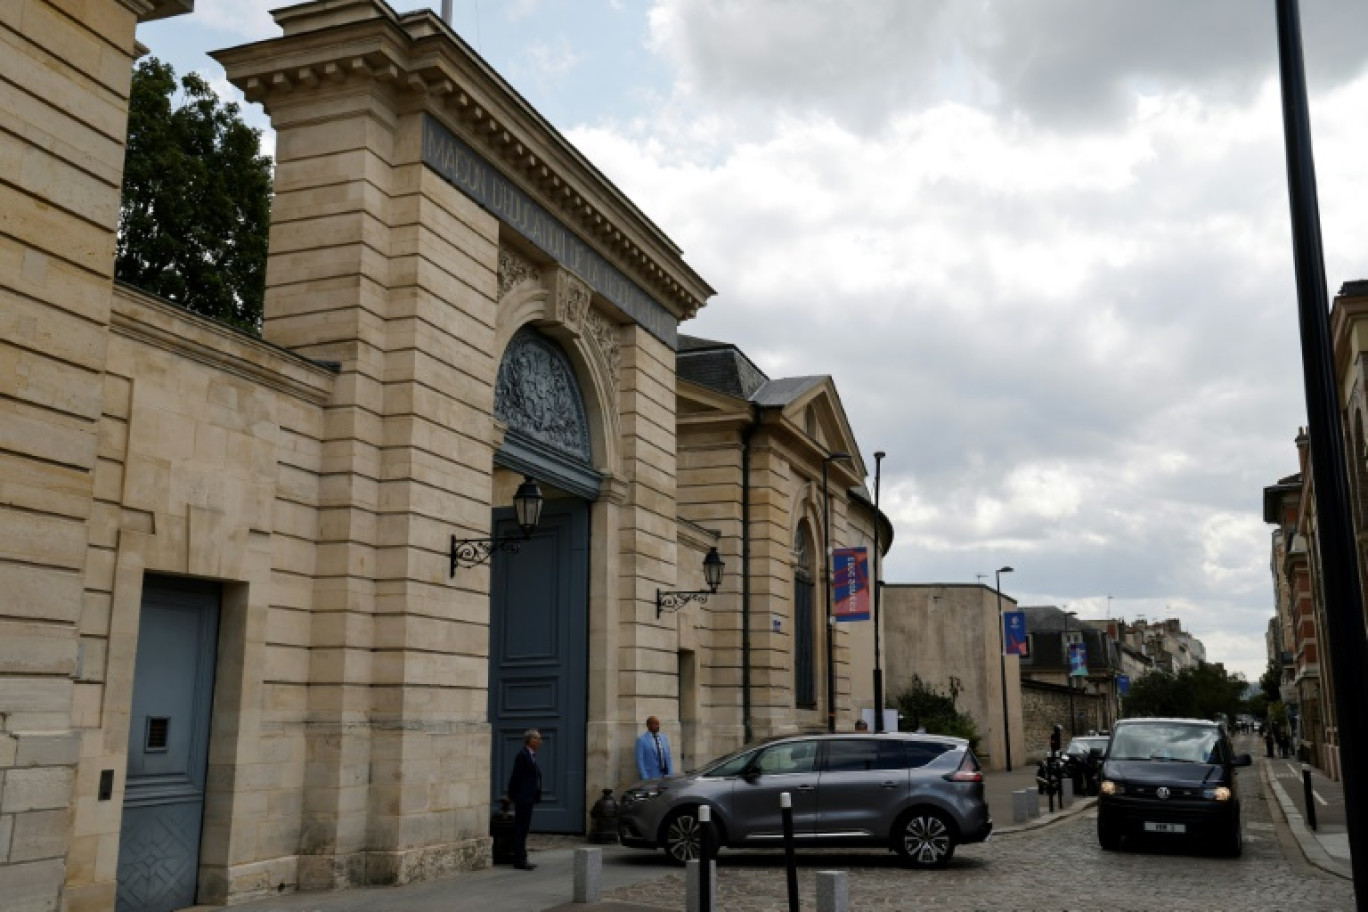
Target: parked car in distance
<point>1084,757</point>
<point>919,795</point>
<point>1171,779</point>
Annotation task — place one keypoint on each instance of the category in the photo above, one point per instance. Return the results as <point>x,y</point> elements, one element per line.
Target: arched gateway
<point>539,596</point>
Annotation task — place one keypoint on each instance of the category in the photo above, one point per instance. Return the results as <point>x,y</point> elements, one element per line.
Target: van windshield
<point>1175,742</point>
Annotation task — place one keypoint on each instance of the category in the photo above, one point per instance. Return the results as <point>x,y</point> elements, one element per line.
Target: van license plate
<point>1165,828</point>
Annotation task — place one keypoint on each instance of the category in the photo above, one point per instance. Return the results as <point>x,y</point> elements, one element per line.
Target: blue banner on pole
<point>1014,633</point>
<point>1123,684</point>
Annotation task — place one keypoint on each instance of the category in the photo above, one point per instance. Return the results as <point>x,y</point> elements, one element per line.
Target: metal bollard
<point>705,887</point>
<point>1310,798</point>
<point>790,863</point>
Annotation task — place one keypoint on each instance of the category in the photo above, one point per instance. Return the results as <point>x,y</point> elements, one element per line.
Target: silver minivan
<point>920,795</point>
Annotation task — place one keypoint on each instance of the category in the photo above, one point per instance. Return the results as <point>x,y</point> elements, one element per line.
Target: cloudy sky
<point>1043,246</point>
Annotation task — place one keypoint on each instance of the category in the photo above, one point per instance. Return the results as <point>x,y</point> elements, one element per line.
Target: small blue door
<point>539,672</point>
<point>168,746</point>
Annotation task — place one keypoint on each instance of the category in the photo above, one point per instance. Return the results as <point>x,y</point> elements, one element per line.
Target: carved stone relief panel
<point>514,270</point>
<point>538,396</point>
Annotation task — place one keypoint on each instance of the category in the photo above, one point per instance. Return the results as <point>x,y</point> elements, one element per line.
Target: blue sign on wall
<point>1123,684</point>
<point>1078,660</point>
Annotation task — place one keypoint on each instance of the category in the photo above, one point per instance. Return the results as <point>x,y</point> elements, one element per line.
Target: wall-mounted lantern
<point>712,574</point>
<point>527,504</point>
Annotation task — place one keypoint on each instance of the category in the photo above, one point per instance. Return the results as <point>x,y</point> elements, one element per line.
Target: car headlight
<point>1220,793</point>
<point>636,795</point>
<point>1112,787</point>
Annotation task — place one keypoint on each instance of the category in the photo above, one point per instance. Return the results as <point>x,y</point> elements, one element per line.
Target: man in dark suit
<point>524,790</point>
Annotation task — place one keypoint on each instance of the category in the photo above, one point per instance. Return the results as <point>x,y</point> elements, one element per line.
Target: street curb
<point>1311,848</point>
<point>1079,805</point>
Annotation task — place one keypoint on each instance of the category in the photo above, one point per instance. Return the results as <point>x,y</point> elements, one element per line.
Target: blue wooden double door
<point>168,746</point>
<point>539,655</point>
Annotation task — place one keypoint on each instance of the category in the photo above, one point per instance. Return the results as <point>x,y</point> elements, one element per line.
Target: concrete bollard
<point>588,874</point>
<point>833,891</point>
<point>693,897</point>
<point>1025,805</point>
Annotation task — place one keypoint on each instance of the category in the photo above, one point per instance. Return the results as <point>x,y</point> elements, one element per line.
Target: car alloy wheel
<point>683,836</point>
<point>926,840</point>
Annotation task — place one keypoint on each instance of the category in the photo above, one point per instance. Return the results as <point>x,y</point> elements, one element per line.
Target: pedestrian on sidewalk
<point>653,752</point>
<point>1268,741</point>
<point>524,790</point>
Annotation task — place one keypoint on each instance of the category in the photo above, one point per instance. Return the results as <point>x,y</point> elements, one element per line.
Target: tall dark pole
<point>1339,560</point>
<point>878,667</point>
<point>826,574</point>
<point>1068,675</point>
<point>1002,663</point>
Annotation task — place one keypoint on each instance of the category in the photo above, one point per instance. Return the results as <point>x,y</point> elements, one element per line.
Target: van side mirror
<point>1242,760</point>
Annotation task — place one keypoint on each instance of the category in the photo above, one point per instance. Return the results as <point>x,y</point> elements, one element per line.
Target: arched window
<point>804,626</point>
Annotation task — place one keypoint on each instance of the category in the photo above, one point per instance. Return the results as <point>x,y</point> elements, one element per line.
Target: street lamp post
<point>878,667</point>
<point>1068,674</point>
<point>1002,663</point>
<point>830,629</point>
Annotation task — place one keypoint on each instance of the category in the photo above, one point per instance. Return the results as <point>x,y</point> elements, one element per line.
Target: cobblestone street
<point>1056,867</point>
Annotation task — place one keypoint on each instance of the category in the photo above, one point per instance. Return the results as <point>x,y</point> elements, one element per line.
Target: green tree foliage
<point>1198,692</point>
<point>923,706</point>
<point>196,202</point>
<point>1270,682</point>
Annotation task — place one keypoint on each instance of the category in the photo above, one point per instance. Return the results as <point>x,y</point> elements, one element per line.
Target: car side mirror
<point>751,773</point>
<point>1242,760</point>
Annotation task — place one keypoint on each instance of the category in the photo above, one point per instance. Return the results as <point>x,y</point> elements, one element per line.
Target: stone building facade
<point>237,645</point>
<point>1298,633</point>
<point>939,632</point>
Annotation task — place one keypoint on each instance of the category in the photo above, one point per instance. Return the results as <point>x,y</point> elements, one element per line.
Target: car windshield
<point>1170,741</point>
<point>1083,745</point>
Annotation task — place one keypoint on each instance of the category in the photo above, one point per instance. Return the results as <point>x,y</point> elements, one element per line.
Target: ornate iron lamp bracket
<point>673,601</point>
<point>471,552</point>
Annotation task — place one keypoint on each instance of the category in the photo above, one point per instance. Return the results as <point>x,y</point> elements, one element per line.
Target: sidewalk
<point>998,786</point>
<point>1327,846</point>
<point>549,887</point>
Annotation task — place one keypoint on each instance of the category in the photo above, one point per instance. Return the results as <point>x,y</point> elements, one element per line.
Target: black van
<point>1171,779</point>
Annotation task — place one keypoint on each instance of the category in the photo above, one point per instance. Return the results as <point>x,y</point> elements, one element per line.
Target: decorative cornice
<point>149,10</point>
<point>426,66</point>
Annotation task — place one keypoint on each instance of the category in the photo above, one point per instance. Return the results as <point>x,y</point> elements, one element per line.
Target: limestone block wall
<point>64,82</point>
<point>710,494</point>
<point>209,465</point>
<point>936,632</point>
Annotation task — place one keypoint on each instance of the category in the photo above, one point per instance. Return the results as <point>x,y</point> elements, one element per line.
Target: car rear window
<point>920,753</point>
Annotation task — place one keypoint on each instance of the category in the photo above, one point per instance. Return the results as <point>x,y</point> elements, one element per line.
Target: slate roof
<point>782,392</point>
<point>724,367</point>
<point>718,365</point>
<point>1354,288</point>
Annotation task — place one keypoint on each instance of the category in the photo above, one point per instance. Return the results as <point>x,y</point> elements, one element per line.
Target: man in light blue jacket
<point>653,752</point>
